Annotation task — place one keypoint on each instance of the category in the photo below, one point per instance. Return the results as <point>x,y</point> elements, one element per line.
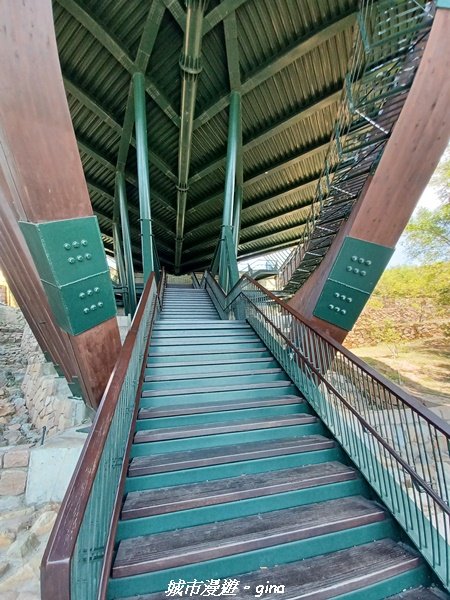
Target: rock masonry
<point>34,403</point>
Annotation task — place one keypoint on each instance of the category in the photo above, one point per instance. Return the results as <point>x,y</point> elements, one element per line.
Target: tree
<point>440,180</point>
<point>427,235</point>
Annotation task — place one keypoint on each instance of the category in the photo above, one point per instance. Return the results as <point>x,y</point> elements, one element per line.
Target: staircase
<point>233,478</point>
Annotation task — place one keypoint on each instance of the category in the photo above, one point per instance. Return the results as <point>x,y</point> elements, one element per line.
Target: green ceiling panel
<point>293,56</point>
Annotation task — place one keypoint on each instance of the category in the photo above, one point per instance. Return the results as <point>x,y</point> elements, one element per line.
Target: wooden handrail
<point>109,551</point>
<point>56,562</point>
<point>403,396</point>
<point>365,424</point>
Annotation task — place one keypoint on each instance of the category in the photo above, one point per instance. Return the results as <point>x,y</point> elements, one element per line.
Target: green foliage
<point>427,236</point>
<point>428,281</point>
<point>441,177</point>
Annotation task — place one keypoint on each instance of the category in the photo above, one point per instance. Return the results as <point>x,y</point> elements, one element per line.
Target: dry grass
<point>422,367</point>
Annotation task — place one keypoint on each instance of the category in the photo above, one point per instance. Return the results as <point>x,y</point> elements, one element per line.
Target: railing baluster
<point>78,557</point>
<point>399,445</point>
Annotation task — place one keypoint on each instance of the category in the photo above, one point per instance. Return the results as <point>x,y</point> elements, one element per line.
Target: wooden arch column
<point>410,158</point>
<point>42,181</point>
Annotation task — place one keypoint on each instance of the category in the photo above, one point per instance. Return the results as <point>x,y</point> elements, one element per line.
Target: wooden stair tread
<point>212,374</point>
<point>183,497</point>
<point>332,575</point>
<point>221,325</point>
<point>328,576</point>
<point>235,536</point>
<point>210,352</point>
<point>222,388</point>
<point>210,363</point>
<point>207,407</point>
<point>218,455</point>
<point>204,341</point>
<point>177,433</point>
<point>207,333</point>
<point>165,320</point>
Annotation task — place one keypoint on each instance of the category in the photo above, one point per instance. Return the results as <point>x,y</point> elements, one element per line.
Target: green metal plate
<point>360,264</point>
<point>65,251</point>
<point>83,304</point>
<point>340,304</point>
<point>71,262</point>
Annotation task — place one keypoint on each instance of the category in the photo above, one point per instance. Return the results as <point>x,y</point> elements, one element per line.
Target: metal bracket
<point>71,263</point>
<point>353,277</point>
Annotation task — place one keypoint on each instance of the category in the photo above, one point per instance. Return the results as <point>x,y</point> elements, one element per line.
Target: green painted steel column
<point>239,192</point>
<point>120,181</point>
<point>230,180</point>
<point>143,174</point>
<point>120,264</point>
<point>191,67</point>
<point>237,208</point>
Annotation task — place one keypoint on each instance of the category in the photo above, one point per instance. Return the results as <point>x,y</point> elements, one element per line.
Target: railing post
<point>230,182</point>
<point>120,180</point>
<point>143,174</point>
<point>120,265</point>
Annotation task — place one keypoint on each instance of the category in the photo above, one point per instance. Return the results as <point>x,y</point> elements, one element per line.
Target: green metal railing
<point>401,448</point>
<point>387,47</point>
<point>78,556</point>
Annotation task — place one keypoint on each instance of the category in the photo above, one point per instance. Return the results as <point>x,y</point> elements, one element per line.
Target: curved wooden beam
<point>40,159</point>
<point>417,142</point>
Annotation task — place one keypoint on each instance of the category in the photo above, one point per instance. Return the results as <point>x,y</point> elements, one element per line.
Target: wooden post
<point>417,142</point>
<point>43,180</point>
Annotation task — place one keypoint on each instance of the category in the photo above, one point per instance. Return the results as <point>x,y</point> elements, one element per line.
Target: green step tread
<point>211,407</point>
<point>178,433</point>
<point>334,575</point>
<point>421,593</point>
<point>218,389</point>
<point>211,363</point>
<point>213,374</point>
<point>184,497</point>
<point>219,455</point>
<point>238,536</point>
<point>230,354</point>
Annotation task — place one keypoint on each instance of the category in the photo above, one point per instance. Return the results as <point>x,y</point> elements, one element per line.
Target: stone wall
<point>402,319</point>
<point>33,477</point>
<point>47,396</point>
<point>11,317</point>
